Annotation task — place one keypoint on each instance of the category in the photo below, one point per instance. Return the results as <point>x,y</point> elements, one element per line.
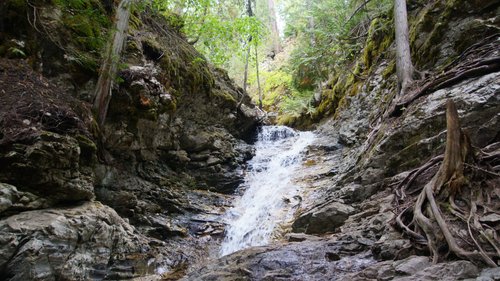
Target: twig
<point>357,10</point>
<point>482,170</point>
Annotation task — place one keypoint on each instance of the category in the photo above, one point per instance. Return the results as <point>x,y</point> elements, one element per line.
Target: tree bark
<point>258,78</point>
<point>245,75</point>
<point>404,66</point>
<point>109,67</point>
<point>443,186</point>
<point>310,23</point>
<point>274,27</point>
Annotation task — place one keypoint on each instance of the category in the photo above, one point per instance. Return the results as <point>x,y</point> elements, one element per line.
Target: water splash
<point>269,189</point>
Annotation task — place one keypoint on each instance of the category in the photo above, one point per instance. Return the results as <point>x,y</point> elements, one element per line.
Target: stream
<point>269,192</point>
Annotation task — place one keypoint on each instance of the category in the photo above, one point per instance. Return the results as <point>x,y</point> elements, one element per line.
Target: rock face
<point>128,199</point>
<point>86,242</point>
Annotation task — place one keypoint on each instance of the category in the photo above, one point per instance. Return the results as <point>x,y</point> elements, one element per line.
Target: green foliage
<point>298,104</point>
<point>219,30</point>
<point>17,52</point>
<point>276,85</point>
<point>330,35</point>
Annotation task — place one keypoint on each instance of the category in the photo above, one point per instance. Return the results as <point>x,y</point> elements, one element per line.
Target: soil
<point>29,104</point>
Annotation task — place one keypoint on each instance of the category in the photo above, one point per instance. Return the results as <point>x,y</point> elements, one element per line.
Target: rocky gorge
<point>143,196</point>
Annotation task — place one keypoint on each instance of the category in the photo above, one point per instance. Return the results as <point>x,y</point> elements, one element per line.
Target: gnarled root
<point>430,223</point>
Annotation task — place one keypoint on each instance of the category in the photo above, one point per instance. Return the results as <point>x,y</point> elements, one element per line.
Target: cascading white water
<point>268,188</point>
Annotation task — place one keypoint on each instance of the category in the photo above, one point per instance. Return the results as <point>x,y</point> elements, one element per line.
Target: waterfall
<point>269,191</point>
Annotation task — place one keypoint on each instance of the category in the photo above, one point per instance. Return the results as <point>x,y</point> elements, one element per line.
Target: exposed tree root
<point>480,59</point>
<point>477,69</point>
<point>430,223</point>
<point>406,183</point>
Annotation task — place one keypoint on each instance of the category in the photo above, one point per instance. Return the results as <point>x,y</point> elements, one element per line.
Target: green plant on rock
<point>17,52</point>
<point>82,32</point>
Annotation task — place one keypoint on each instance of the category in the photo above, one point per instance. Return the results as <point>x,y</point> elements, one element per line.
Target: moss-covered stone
<point>88,154</point>
<point>380,37</point>
<point>389,70</point>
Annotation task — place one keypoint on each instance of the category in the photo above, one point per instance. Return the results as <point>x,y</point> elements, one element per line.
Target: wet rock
<point>412,265</point>
<point>323,219</point>
<point>87,242</point>
<point>416,268</point>
<point>299,237</point>
<point>421,131</point>
<point>306,260</point>
<point>180,156</point>
<point>145,89</point>
<point>392,246</point>
<point>385,272</point>
<point>354,192</point>
<point>163,228</point>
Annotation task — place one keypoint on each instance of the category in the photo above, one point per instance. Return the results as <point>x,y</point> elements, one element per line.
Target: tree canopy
<point>315,37</point>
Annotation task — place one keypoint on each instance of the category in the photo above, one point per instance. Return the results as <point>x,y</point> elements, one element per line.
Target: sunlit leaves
<point>220,29</point>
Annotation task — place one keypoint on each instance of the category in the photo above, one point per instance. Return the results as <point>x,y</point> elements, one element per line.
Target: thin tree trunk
<point>310,23</point>
<point>245,75</point>
<point>274,27</point>
<point>258,78</point>
<point>404,66</point>
<point>109,67</point>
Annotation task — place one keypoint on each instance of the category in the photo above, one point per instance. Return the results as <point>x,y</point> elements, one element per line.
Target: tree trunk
<point>247,59</point>
<point>258,78</point>
<point>310,23</point>
<point>404,67</point>
<point>274,27</point>
<point>109,67</point>
<point>245,75</point>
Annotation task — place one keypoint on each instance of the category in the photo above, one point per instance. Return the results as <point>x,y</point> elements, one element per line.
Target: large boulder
<point>323,219</point>
<point>85,242</point>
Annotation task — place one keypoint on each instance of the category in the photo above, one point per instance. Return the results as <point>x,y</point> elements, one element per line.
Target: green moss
<point>380,37</point>
<point>354,88</point>
<point>81,26</point>
<point>286,120</point>
<point>174,20</point>
<point>134,22</point>
<point>87,147</point>
<point>225,96</point>
<point>278,85</point>
<point>389,70</point>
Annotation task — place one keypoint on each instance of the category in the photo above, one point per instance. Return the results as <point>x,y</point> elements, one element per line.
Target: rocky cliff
<point>141,197</point>
<point>370,148</point>
<point>138,196</point>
